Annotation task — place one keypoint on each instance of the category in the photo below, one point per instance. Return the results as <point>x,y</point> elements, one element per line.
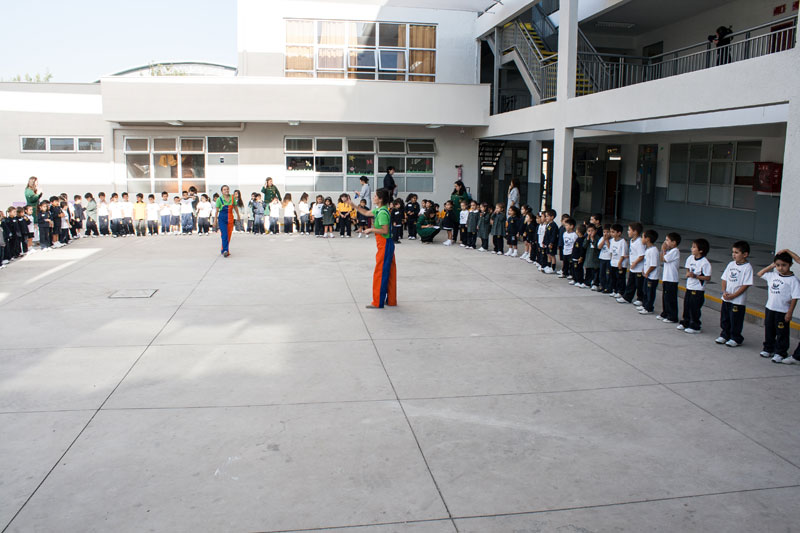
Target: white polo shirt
<point>669,271</point>
<point>605,251</point>
<point>651,260</point>
<point>700,267</point>
<point>782,290</point>
<point>637,251</point>
<point>569,242</point>
<point>735,276</point>
<point>619,249</point>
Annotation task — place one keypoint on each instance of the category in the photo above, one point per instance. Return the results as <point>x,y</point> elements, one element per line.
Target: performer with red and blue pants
<point>225,207</point>
<point>384,279</point>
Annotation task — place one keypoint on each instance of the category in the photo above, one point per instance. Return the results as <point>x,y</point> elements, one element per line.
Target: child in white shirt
<point>302,212</point>
<point>649,271</point>
<point>175,216</point>
<point>274,213</point>
<point>115,214</point>
<point>670,259</point>
<point>153,210</point>
<point>604,272</point>
<point>164,212</point>
<point>634,288</point>
<point>288,214</point>
<point>203,215</point>
<point>569,239</point>
<point>619,260</point>
<point>736,279</point>
<point>783,291</point>
<point>698,271</point>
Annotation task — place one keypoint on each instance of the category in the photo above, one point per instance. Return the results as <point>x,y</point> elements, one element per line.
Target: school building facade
<point>624,107</point>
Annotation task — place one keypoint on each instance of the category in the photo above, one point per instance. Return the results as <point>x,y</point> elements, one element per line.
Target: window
<point>136,145</point>
<point>713,174</point>
<point>223,145</point>
<point>192,145</point>
<point>360,50</point>
<point>33,144</point>
<point>62,144</point>
<point>334,164</point>
<point>90,144</point>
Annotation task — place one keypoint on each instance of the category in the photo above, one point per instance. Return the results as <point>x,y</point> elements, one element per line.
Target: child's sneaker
<point>561,276</point>
<point>508,252</point>
<point>569,277</point>
<point>668,321</point>
<point>659,318</point>
<point>499,253</point>
<point>448,242</point>
<point>528,260</point>
<point>764,354</point>
<point>690,330</point>
<point>560,272</point>
<point>790,360</point>
<point>462,245</point>
<point>621,300</point>
<point>548,270</point>
<point>639,307</point>
<point>594,288</point>
<point>720,340</point>
<point>514,253</point>
<point>637,302</point>
<point>644,311</point>
<point>571,282</point>
<point>524,255</point>
<point>778,358</point>
<point>680,327</point>
<point>481,249</point>
<point>732,343</point>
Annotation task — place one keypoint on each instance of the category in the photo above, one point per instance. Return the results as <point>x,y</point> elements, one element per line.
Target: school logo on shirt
<point>775,286</point>
<point>734,275</point>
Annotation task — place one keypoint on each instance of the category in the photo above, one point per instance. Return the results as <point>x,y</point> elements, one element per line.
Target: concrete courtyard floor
<point>256,393</point>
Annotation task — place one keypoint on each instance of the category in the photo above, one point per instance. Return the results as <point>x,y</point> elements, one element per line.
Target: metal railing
<point>515,38</point>
<point>610,71</point>
<point>549,81</point>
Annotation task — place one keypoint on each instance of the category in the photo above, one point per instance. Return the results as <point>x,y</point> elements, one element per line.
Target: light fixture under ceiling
<point>294,122</point>
<point>175,123</point>
<point>433,126</point>
<point>614,25</point>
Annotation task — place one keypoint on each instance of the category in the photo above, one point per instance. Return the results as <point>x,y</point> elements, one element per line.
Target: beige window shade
<point>300,31</point>
<point>299,58</point>
<point>330,58</point>
<point>422,36</point>
<point>422,62</point>
<point>331,33</point>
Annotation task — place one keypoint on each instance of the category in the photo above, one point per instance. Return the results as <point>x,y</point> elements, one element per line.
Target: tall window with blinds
<point>389,51</point>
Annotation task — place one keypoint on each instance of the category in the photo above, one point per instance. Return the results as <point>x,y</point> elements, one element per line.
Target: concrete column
<point>534,173</point>
<point>562,168</point>
<point>788,235</point>
<point>567,49</point>
<point>496,73</point>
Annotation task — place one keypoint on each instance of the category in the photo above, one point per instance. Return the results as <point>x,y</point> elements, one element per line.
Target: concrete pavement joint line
<point>72,271</point>
<point>397,398</point>
<point>38,411</point>
<point>737,430</point>
<point>246,406</point>
<point>377,524</point>
<point>78,436</point>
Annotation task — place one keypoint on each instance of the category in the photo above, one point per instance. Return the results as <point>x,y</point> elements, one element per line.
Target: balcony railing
<point>610,71</point>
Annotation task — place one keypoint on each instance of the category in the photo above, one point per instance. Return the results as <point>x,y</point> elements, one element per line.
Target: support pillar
<point>788,235</point>
<point>567,49</point>
<point>563,143</point>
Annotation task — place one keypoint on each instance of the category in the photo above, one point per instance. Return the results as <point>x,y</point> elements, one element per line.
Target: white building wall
<point>262,33</point>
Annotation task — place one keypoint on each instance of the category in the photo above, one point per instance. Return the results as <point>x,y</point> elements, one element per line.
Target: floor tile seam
<point>47,411</point>
<point>528,393</point>
<point>397,398</point>
<point>68,272</point>
<point>618,358</point>
<point>631,502</point>
<point>354,526</point>
<point>734,428</point>
<point>366,300</point>
<point>96,411</point>
<point>722,380</point>
<point>246,406</point>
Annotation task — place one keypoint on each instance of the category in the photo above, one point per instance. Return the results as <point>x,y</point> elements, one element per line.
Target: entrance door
<point>610,204</point>
<point>646,178</point>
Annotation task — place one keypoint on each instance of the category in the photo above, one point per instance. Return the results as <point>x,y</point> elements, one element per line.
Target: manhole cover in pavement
<point>134,293</point>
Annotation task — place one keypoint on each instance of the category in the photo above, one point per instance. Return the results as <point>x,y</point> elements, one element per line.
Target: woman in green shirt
<point>32,196</point>
<point>384,279</point>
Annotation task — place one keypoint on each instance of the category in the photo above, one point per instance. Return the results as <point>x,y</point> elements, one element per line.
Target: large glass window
<point>713,174</point>
<point>34,144</point>
<point>360,50</point>
<point>330,163</point>
<point>62,144</point>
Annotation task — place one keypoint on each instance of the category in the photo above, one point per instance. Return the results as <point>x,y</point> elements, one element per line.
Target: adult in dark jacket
<point>388,182</point>
<point>270,191</point>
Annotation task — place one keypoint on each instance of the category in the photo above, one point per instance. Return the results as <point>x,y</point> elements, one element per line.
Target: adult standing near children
<point>388,182</point>
<point>513,195</point>
<point>226,208</point>
<point>270,191</point>
<point>365,192</point>
<point>32,196</point>
<point>384,279</point>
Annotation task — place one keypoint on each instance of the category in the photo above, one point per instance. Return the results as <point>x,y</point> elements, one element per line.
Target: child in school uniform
<point>114,213</point>
<point>698,272</point>
<point>649,272</point>
<point>203,215</point>
<point>591,253</point>
<point>396,214</point>
<point>472,225</point>
<point>303,211</point>
<point>288,213</point>
<point>551,237</point>
<point>412,210</point>
<point>463,216</point>
<point>102,214</point>
<point>566,246</point>
<point>604,258</point>
<point>513,223</point>
<point>66,224</point>
<point>498,222</point>
<point>79,216</point>
<point>577,257</point>
<point>561,230</point>
<point>127,214</point>
<point>328,217</point>
<point>736,279</point>
<point>449,222</point>
<point>316,216</point>
<point>619,261</point>
<point>484,226</point>
<point>633,289</point>
<point>541,228</point>
<point>528,237</point>
<point>153,210</point>
<point>783,291</point>
<point>45,226</point>
<point>274,215</point>
<point>670,259</point>
<point>361,220</point>
<point>259,213</point>
<point>175,216</point>
<point>164,212</point>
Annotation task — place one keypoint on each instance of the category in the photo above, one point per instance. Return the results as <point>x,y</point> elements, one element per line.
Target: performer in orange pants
<point>384,279</point>
<point>225,207</point>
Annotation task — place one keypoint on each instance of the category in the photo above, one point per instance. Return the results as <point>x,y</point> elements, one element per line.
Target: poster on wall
<point>768,177</point>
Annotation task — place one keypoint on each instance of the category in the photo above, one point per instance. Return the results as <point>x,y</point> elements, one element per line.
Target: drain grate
<point>134,293</point>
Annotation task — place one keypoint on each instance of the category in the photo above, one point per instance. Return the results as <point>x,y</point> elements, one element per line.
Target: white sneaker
<point>569,277</point>
<point>777,358</point>
<point>514,253</point>
<point>462,245</point>
<point>644,312</point>
<point>680,327</point>
<point>659,318</point>
<point>481,249</point>
<point>560,272</point>
<point>508,252</point>
<point>594,288</point>
<point>572,282</point>
<point>690,330</point>
<point>764,354</point>
<point>540,268</point>
<point>637,302</point>
<point>548,270</point>
<point>668,321</point>
<point>639,307</point>
<point>790,361</point>
<point>621,300</point>
<point>448,242</point>
<point>499,253</point>
<point>720,340</point>
<point>525,255</point>
<point>732,343</point>
<point>528,260</point>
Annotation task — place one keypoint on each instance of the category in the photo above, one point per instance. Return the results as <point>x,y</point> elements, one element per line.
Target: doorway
<point>646,179</point>
<point>612,190</point>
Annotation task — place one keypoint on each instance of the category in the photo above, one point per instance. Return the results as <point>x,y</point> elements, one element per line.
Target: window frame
<point>22,144</point>
<point>100,151</point>
<point>301,138</point>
